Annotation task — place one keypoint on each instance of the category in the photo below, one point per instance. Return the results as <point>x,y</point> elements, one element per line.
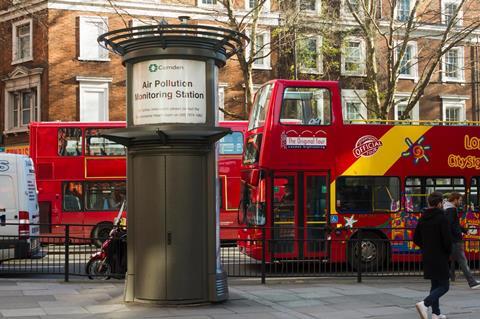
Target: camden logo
<point>153,68</point>
<point>366,146</point>
<point>4,166</point>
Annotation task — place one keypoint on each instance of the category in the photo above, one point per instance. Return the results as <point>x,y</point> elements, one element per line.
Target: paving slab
<point>324,298</point>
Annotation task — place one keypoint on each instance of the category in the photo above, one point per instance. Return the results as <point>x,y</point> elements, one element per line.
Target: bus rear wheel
<point>373,252</point>
<point>100,233</point>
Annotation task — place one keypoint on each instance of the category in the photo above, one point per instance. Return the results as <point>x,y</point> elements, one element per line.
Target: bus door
<point>315,208</point>
<point>284,231</point>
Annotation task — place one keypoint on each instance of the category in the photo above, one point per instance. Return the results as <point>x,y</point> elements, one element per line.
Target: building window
<point>346,12</point>
<point>454,110</point>
<point>93,99</point>
<point>400,107</point>
<point>311,6</point>
<point>408,66</point>
<point>353,106</point>
<point>353,57</point>
<point>251,4</point>
<point>23,108</point>
<point>22,98</point>
<point>221,101</point>
<point>262,51</point>
<point>403,10</point>
<point>22,41</point>
<point>449,8</point>
<point>453,64</point>
<point>207,3</point>
<point>90,29</point>
<point>309,55</point>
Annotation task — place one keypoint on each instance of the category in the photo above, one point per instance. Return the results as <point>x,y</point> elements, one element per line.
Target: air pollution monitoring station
<point>172,212</point>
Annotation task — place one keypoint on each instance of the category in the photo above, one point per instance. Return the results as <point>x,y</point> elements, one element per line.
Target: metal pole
<point>67,252</point>
<point>264,246</point>
<point>359,256</point>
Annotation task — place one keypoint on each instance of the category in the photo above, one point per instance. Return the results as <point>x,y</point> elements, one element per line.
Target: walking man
<point>454,201</point>
<point>433,236</point>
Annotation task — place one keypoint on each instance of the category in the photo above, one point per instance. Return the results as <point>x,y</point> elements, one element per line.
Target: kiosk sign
<point>169,91</point>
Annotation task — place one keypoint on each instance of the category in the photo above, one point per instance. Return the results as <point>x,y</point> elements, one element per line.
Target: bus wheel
<point>373,250</point>
<point>100,233</point>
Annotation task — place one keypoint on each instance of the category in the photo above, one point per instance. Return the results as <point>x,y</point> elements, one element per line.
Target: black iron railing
<point>269,253</point>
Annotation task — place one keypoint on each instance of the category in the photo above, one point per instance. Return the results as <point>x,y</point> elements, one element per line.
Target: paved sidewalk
<point>341,298</point>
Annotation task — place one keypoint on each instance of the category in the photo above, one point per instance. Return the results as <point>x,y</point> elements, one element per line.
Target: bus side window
<point>418,188</point>
<point>72,196</point>
<point>231,144</point>
<point>69,141</point>
<point>100,146</point>
<point>473,202</point>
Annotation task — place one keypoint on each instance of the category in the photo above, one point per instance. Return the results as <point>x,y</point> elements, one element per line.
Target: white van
<point>18,205</point>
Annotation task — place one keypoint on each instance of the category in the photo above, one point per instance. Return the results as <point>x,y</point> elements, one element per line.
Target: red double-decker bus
<point>230,152</point>
<point>311,180</point>
<point>81,177</point>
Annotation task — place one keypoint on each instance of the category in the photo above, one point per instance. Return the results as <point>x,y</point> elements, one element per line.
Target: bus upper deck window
<point>69,141</point>
<point>100,146</point>
<point>306,106</point>
<point>260,107</point>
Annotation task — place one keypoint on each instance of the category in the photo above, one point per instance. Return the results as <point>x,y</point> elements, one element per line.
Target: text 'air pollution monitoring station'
<point>169,91</point>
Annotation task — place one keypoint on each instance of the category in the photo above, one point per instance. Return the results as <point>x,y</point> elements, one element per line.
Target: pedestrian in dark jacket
<point>433,236</point>
<point>454,201</point>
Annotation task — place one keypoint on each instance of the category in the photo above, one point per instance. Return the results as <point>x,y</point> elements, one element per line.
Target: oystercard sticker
<point>366,146</point>
<point>305,139</point>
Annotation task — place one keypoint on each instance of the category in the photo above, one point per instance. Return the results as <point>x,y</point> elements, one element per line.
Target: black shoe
<point>475,286</point>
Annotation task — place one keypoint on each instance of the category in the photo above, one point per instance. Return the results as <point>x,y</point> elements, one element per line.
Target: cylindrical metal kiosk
<point>172,211</point>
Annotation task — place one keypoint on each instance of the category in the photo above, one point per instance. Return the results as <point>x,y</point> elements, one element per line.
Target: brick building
<point>52,68</point>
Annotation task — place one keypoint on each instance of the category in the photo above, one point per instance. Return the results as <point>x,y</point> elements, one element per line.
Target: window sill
<point>261,67</point>
<point>311,71</point>
<point>453,80</point>
<point>93,59</point>
<point>22,60</point>
<point>344,73</point>
<point>210,6</point>
<point>407,77</point>
<point>16,130</point>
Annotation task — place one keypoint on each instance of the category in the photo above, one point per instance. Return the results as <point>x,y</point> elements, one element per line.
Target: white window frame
<point>319,68</point>
<point>395,12</point>
<point>217,4</point>
<point>266,65</point>
<point>460,13</point>
<point>414,69</point>
<point>82,55</point>
<point>415,112</point>
<point>221,100</point>
<point>265,8</point>
<point>15,48</point>
<point>461,67</point>
<point>345,11</point>
<point>318,8</point>
<point>97,85</point>
<point>454,101</point>
<point>22,81</point>
<point>362,63</point>
<point>355,96</point>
